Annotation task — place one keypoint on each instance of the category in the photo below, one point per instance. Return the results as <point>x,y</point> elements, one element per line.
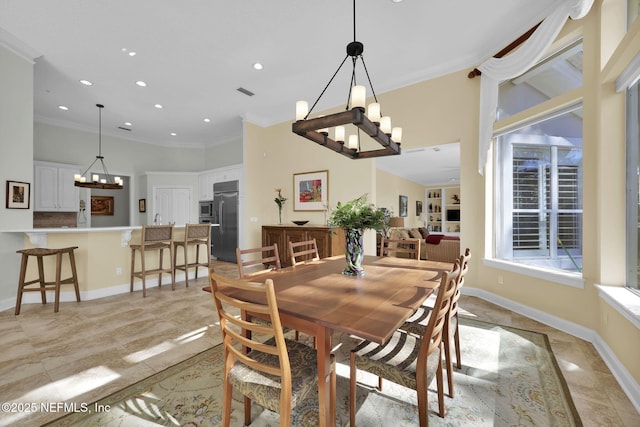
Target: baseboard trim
<point>68,295</point>
<point>621,374</point>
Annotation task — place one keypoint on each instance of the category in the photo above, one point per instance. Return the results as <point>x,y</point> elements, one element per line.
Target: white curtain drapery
<point>494,70</point>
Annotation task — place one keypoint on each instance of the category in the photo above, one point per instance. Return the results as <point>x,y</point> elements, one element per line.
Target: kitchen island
<point>103,260</point>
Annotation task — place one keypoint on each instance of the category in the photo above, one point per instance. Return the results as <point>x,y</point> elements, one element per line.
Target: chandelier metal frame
<point>316,129</point>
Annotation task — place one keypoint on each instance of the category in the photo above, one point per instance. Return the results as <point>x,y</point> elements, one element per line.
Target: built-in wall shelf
<point>443,210</point>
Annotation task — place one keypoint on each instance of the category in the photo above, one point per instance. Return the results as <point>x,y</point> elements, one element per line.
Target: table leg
<point>323,346</point>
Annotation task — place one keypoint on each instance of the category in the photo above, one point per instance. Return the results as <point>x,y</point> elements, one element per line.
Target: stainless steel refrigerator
<point>224,238</point>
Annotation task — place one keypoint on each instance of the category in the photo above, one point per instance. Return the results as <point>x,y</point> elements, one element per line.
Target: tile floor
<point>94,348</point>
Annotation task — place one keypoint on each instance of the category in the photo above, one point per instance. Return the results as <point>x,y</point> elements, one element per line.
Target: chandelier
<point>371,123</point>
<point>96,181</point>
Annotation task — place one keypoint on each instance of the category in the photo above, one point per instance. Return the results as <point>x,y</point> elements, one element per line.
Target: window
<point>633,6</point>
<point>633,187</point>
<point>539,202</point>
<point>554,75</point>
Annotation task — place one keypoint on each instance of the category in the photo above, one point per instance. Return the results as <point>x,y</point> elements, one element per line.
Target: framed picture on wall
<point>311,191</point>
<point>102,205</point>
<point>404,204</point>
<point>18,195</point>
<point>142,205</point>
<point>418,207</point>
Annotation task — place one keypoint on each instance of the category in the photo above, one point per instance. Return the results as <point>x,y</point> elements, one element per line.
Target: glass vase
<point>354,253</point>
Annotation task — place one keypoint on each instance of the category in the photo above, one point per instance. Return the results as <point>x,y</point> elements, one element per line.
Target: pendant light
<point>96,181</point>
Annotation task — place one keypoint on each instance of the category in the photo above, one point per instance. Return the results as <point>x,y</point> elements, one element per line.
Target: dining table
<point>317,299</point>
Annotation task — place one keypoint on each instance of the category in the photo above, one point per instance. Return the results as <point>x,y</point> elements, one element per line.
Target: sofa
<point>433,247</point>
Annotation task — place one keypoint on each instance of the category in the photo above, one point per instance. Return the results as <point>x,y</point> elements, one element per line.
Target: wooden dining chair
<point>268,259</point>
<point>406,359</point>
<point>417,323</point>
<point>276,373</point>
<point>401,247</point>
<point>302,252</point>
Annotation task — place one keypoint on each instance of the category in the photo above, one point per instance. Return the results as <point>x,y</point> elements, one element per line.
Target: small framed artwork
<point>142,205</point>
<point>18,195</point>
<point>311,191</point>
<point>404,204</point>
<point>101,205</point>
<point>418,207</point>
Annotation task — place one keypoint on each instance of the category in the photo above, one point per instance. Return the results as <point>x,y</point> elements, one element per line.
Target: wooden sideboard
<point>330,242</point>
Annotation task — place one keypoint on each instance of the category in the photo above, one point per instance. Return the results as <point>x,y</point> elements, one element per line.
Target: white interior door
<point>173,204</point>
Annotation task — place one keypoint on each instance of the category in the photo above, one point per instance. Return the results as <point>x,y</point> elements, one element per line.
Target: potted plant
<point>355,217</point>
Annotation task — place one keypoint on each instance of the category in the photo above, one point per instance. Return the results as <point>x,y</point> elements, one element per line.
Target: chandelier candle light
<point>108,183</point>
<point>372,123</point>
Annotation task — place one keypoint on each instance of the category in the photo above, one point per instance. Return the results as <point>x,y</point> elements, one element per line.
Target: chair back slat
<point>464,268</point>
<point>267,256</point>
<point>303,251</point>
<point>270,338</point>
<point>432,338</point>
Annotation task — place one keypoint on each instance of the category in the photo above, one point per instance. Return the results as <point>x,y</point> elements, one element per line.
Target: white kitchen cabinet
<point>54,189</point>
<point>205,185</point>
<point>228,175</point>
<point>208,178</point>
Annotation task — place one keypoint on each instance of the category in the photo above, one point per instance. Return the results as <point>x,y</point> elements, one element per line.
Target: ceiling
<point>194,56</point>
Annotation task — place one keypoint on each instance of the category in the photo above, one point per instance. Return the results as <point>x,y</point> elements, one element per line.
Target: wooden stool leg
<point>144,282</point>
<point>175,261</point>
<point>197,258</point>
<point>56,304</point>
<point>160,268</point>
<point>23,272</point>
<point>186,266</point>
<point>133,262</point>
<point>43,292</point>
<point>172,272</point>
<point>74,274</point>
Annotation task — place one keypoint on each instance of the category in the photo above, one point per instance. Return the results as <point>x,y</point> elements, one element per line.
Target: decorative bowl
<point>300,222</point>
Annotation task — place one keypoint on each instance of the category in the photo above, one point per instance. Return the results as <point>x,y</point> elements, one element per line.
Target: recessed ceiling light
<point>86,82</point>
<point>158,106</point>
<point>141,83</point>
<point>64,108</point>
<point>173,134</point>
<point>132,54</point>
<point>257,66</point>
<point>128,124</point>
<point>206,120</point>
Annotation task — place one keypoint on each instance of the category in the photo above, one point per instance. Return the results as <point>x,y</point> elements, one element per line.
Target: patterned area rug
<point>509,377</point>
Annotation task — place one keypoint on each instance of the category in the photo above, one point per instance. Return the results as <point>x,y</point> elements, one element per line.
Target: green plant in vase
<point>354,218</point>
<point>280,202</point>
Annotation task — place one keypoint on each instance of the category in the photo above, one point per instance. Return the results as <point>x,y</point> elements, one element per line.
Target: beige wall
<point>272,155</point>
<point>444,110</point>
<point>389,189</point>
<point>16,161</point>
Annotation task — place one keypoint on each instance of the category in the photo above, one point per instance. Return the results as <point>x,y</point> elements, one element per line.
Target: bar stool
<point>153,238</point>
<point>194,235</point>
<point>40,253</point>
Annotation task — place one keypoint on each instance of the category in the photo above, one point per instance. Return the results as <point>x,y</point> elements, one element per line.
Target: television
<point>453,214</point>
